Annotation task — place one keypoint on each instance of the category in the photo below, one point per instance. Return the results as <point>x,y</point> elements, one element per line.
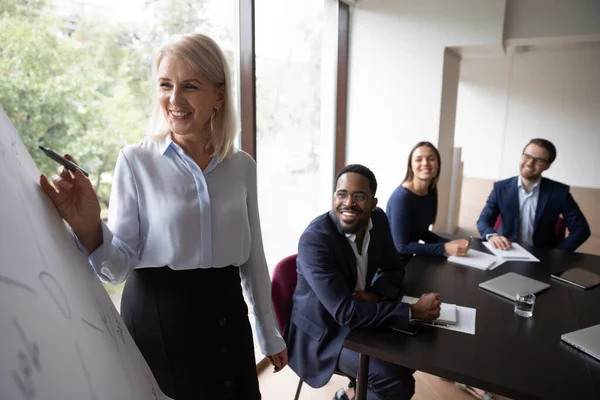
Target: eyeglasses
<point>536,160</point>
<point>357,197</point>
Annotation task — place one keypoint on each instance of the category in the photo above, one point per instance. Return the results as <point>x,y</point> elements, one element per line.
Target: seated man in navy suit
<point>349,276</point>
<point>531,205</point>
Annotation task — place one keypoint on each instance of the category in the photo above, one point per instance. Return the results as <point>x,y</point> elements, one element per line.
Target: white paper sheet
<point>477,259</point>
<point>62,338</point>
<point>498,263</point>
<point>465,317</point>
<point>448,313</point>
<point>515,253</point>
<point>466,321</point>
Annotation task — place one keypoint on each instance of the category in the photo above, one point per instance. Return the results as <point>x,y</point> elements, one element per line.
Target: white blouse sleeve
<point>255,277</point>
<point>118,255</point>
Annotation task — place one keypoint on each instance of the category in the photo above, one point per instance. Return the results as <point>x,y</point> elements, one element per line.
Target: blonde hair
<point>206,57</point>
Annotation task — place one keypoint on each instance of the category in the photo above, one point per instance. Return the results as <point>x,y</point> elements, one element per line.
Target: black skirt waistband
<point>192,328</point>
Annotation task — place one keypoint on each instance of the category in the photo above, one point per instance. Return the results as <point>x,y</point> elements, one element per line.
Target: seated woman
<point>412,208</point>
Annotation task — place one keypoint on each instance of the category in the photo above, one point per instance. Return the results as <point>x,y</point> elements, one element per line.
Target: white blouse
<point>164,210</point>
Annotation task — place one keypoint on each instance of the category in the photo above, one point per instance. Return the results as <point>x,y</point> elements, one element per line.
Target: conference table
<point>516,357</point>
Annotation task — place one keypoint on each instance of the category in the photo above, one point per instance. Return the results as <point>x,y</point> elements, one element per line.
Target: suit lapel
<point>351,260</point>
<point>373,260</point>
<point>543,197</point>
<point>346,250</point>
<point>513,205</point>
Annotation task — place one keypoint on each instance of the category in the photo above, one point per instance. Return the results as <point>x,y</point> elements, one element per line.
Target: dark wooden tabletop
<point>521,358</point>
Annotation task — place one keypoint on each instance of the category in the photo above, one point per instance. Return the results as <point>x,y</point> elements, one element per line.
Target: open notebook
<point>515,253</point>
<point>448,313</point>
<point>477,259</point>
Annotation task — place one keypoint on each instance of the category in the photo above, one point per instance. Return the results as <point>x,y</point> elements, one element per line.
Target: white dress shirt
<point>527,206</point>
<point>164,210</point>
<point>362,259</point>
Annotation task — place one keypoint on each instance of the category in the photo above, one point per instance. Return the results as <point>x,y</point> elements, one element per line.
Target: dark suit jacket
<point>554,199</point>
<point>323,310</point>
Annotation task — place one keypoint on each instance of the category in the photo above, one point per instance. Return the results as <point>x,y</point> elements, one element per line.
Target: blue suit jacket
<point>323,310</point>
<point>554,199</point>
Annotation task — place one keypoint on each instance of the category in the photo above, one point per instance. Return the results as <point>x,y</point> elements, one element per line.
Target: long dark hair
<point>432,189</point>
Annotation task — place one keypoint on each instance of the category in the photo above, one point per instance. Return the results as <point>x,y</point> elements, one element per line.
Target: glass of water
<point>524,303</point>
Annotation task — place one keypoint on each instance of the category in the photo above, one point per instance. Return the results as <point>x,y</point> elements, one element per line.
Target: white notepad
<point>477,259</point>
<point>448,314</point>
<point>466,321</point>
<point>515,253</point>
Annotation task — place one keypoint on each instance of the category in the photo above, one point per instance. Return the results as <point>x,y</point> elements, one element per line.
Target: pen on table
<point>70,165</point>
<point>470,240</point>
<point>432,323</point>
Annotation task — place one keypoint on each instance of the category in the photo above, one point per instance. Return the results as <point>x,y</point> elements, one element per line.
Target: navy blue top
<point>410,216</point>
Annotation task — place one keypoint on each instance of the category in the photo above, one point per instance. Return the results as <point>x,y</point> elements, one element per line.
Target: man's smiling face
<point>353,202</point>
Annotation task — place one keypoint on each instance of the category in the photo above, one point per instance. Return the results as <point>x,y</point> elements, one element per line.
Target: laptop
<point>586,340</point>
<point>509,284</point>
<point>580,277</point>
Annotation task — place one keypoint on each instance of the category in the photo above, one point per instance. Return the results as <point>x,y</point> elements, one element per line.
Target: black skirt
<point>192,328</point>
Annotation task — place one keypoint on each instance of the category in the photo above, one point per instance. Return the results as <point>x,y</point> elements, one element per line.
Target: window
<point>74,75</point>
<point>294,143</point>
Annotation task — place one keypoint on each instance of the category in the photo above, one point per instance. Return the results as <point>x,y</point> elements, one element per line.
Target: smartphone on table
<point>411,329</point>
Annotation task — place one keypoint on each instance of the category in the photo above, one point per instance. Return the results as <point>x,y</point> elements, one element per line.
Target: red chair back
<point>498,223</point>
<point>560,229</point>
<point>283,284</point>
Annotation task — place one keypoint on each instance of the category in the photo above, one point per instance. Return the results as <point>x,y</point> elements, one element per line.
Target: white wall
<point>551,18</point>
<point>481,116</point>
<point>395,74</point>
<point>450,82</point>
<point>554,94</point>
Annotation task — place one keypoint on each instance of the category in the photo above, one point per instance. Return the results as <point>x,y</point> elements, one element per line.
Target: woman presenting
<point>184,230</point>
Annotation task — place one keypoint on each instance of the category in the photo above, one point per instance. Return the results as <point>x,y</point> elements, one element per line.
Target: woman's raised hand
<point>77,203</point>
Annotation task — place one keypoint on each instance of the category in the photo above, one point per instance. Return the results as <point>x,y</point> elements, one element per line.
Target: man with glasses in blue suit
<point>530,206</point>
<point>349,276</point>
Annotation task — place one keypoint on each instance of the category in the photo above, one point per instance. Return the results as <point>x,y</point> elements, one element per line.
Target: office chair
<point>283,284</point>
<point>560,229</point>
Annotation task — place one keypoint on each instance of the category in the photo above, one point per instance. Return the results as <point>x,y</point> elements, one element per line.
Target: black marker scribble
<point>56,292</point>
<point>29,363</point>
<point>92,325</point>
<point>119,329</point>
<point>13,146</point>
<point>32,225</point>
<point>153,389</point>
<point>25,384</point>
<point>32,348</point>
<point>88,378</point>
<point>108,324</point>
<point>12,282</point>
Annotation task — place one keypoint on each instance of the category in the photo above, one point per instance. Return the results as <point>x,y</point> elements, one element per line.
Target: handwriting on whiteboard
<point>28,364</point>
<point>28,356</point>
<point>61,337</point>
